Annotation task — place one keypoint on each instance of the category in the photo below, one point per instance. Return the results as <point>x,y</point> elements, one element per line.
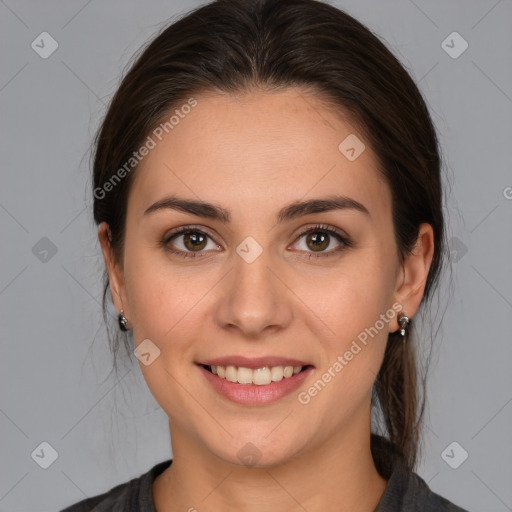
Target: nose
<point>255,300</point>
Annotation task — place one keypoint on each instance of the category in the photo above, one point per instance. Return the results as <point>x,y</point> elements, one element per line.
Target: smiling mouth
<point>258,376</point>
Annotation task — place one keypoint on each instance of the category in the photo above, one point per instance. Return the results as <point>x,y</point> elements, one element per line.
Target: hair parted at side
<point>242,45</point>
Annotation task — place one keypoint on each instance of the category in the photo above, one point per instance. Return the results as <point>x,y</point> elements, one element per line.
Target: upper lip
<point>254,362</point>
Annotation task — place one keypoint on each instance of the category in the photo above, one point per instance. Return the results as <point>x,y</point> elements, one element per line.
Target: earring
<point>123,321</point>
<point>404,322</point>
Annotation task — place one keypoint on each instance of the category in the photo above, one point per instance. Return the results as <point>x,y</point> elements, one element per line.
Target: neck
<point>342,468</point>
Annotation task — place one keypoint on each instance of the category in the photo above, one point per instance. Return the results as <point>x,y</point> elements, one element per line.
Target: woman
<point>267,186</point>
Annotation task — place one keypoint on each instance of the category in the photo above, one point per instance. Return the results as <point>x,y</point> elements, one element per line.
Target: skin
<point>252,154</point>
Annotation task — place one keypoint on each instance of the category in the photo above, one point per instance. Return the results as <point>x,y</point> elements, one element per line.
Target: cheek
<point>166,302</point>
<point>358,312</point>
<point>153,295</point>
<point>352,299</point>
<point>355,305</point>
<point>165,309</point>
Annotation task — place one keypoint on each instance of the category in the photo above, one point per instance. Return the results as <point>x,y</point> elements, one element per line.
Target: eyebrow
<point>289,212</point>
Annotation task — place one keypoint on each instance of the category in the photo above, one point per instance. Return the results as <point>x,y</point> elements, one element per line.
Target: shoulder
<point>420,497</point>
<point>135,495</point>
<point>120,494</point>
<point>406,491</point>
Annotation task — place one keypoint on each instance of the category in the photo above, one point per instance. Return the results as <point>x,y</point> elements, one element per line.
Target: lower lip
<point>252,394</point>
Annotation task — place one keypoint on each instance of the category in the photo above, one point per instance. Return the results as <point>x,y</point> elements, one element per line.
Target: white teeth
<point>244,375</point>
<point>231,373</point>
<point>259,376</point>
<point>276,373</point>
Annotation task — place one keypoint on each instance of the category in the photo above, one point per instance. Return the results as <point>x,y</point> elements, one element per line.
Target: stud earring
<point>404,322</point>
<point>123,321</point>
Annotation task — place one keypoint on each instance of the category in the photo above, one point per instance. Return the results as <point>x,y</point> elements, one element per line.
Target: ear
<point>411,282</point>
<point>114,270</point>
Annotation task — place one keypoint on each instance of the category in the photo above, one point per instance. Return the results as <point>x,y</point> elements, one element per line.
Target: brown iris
<point>197,241</point>
<point>318,243</point>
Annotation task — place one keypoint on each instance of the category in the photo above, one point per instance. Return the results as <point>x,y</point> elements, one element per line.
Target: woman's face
<point>251,285</point>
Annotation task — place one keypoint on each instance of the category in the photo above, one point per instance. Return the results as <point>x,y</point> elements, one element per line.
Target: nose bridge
<point>251,271</point>
<point>254,298</point>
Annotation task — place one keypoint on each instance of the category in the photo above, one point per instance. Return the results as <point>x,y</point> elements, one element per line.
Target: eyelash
<point>346,242</point>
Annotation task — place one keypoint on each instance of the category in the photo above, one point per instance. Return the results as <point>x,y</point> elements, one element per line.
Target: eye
<point>320,237</point>
<point>190,242</point>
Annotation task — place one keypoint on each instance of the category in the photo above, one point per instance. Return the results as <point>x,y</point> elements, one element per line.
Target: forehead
<point>256,148</point>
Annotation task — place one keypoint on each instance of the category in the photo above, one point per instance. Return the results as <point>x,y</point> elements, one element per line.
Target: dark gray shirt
<point>405,490</point>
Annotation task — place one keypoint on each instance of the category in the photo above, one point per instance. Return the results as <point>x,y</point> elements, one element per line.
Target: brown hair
<point>234,46</point>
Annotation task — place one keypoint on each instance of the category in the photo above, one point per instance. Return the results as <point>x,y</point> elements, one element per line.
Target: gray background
<point>55,362</point>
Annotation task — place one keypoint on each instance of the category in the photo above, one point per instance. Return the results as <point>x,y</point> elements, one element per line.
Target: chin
<point>256,452</point>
